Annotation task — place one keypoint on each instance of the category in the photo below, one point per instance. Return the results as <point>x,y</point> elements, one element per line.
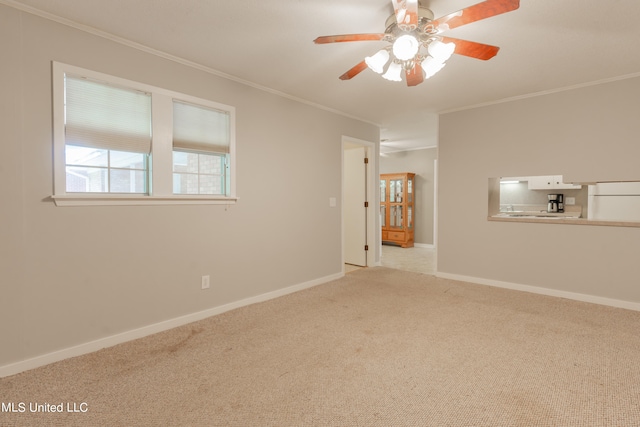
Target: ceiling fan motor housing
<point>424,14</point>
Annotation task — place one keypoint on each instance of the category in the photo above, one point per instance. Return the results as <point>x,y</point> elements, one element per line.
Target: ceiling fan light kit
<point>417,48</point>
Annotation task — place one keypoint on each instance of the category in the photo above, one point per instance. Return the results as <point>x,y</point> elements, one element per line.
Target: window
<point>95,170</point>
<point>107,137</point>
<point>121,142</point>
<point>198,173</point>
<point>200,149</point>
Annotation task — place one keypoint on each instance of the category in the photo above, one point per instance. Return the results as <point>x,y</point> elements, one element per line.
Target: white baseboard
<point>629,305</point>
<point>424,245</point>
<point>89,347</point>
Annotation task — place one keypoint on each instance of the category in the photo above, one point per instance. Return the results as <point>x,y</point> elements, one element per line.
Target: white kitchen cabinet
<point>550,182</point>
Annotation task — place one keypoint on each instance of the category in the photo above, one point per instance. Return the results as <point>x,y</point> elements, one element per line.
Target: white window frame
<point>160,159</point>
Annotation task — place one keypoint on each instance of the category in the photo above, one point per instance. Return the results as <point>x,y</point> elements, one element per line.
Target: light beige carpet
<point>380,347</point>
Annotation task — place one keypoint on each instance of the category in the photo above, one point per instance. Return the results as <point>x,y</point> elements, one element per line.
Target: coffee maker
<point>556,203</point>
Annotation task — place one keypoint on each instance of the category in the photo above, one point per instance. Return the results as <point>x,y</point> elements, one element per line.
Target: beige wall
<point>11,169</point>
<point>420,162</point>
<point>589,133</point>
<point>74,274</point>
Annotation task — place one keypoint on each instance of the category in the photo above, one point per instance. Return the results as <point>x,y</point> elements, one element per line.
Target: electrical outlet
<point>205,282</point>
<point>570,201</point>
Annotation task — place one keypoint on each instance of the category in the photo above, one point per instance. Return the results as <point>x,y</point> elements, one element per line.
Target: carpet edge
<point>133,334</point>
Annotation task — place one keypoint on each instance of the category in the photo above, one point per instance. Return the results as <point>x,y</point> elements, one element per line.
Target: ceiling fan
<point>412,28</point>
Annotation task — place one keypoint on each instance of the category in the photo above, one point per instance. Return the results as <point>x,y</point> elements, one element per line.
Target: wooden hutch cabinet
<point>397,194</point>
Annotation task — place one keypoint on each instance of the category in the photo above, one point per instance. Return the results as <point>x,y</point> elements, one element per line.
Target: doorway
<point>359,222</point>
<point>423,256</point>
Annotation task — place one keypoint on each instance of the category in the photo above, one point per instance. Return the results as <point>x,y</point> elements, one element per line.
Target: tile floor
<point>417,259</point>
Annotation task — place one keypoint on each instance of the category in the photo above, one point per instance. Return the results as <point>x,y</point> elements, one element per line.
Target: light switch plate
<point>332,202</point>
<point>205,282</point>
<point>570,201</point>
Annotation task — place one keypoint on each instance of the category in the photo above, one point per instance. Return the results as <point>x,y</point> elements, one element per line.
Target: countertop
<point>538,214</point>
<point>561,220</point>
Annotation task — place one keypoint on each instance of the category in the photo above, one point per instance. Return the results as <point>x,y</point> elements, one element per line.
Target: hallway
<point>416,259</point>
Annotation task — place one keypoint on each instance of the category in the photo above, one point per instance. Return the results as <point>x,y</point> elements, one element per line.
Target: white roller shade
<point>200,128</point>
<point>102,116</point>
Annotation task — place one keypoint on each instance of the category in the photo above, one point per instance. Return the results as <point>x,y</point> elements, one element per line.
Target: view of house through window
<point>198,173</point>
<point>94,170</point>
<point>201,139</point>
<point>107,137</point>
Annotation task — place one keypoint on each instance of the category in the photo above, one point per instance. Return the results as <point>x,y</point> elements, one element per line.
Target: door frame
<point>373,197</point>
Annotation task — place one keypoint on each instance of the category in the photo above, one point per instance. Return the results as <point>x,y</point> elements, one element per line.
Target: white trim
<point>110,199</point>
<point>89,347</point>
<point>544,92</point>
<point>435,211</point>
<point>629,305</point>
<point>424,245</point>
<point>91,30</point>
<point>373,197</point>
<point>383,153</point>
<point>161,145</point>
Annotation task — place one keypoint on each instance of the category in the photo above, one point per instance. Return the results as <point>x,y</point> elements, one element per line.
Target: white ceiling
<point>546,45</point>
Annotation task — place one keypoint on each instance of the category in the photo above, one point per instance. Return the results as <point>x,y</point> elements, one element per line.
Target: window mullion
<point>162,145</point>
<point>108,171</point>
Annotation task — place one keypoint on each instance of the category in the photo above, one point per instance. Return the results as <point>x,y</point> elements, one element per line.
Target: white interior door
<point>355,213</point>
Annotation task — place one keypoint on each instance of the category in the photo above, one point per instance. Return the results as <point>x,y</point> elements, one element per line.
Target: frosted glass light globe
<point>431,66</point>
<point>393,72</point>
<point>405,47</point>
<point>377,61</point>
<point>441,51</point>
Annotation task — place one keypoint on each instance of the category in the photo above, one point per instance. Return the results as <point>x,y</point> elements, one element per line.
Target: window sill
<point>139,200</point>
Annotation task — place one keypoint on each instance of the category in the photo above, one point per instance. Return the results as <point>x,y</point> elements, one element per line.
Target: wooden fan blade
<point>415,75</point>
<point>348,38</point>
<point>472,49</point>
<point>354,71</point>
<point>406,12</point>
<point>474,13</point>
